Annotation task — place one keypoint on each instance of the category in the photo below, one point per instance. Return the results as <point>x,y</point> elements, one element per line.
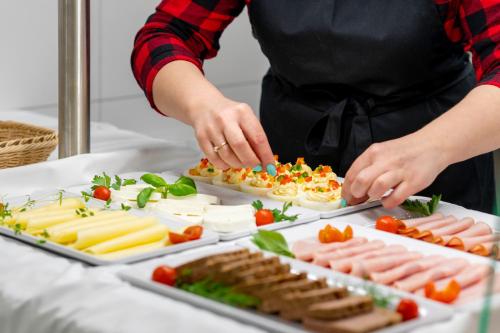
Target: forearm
<point>180,89</point>
<point>469,129</point>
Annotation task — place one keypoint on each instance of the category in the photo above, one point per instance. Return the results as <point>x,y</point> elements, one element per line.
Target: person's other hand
<point>234,123</point>
<point>406,165</point>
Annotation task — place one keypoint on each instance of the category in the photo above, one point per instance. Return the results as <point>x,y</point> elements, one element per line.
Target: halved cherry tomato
<point>164,274</point>
<point>193,232</point>
<point>408,309</point>
<point>447,295</point>
<point>347,233</point>
<point>263,217</point>
<point>176,238</point>
<point>330,234</point>
<point>102,193</point>
<point>388,224</point>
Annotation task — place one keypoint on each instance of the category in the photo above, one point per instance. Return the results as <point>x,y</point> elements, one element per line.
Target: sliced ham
<point>345,265</point>
<point>478,229</point>
<point>452,229</point>
<point>304,249</point>
<point>407,269</point>
<point>322,259</point>
<point>424,229</point>
<point>365,267</point>
<point>486,249</point>
<point>448,268</point>
<point>412,223</point>
<point>467,243</point>
<point>478,290</point>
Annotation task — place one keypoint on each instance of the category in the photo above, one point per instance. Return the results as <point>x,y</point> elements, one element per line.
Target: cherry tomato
<point>347,233</point>
<point>447,295</point>
<point>263,217</point>
<point>193,232</point>
<point>408,309</point>
<point>102,193</point>
<point>330,234</point>
<point>164,274</point>
<point>388,224</point>
<point>176,238</point>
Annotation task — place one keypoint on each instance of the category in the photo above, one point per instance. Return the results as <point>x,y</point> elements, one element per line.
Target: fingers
<point>365,179</point>
<point>208,150</point>
<point>257,138</point>
<point>384,183</point>
<point>398,196</point>
<point>240,146</point>
<point>225,152</point>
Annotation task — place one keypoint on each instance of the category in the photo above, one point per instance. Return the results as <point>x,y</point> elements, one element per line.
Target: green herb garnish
<point>27,205</point>
<point>84,212</point>
<point>219,292</point>
<point>86,196</point>
<point>41,241</point>
<point>4,211</point>
<point>125,207</point>
<point>17,229</point>
<point>422,208</point>
<point>122,182</point>
<point>279,215</point>
<point>379,299</point>
<point>182,187</point>
<point>60,197</point>
<point>272,241</point>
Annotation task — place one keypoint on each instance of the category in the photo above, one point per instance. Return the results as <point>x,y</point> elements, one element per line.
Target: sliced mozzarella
<point>130,192</point>
<point>202,198</point>
<point>180,207</point>
<point>229,222</point>
<point>318,205</point>
<point>239,209</point>
<point>261,191</point>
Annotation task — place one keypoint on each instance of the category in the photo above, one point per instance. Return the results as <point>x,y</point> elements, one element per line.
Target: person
<point>384,91</point>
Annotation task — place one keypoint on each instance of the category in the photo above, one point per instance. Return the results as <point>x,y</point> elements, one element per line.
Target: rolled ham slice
<point>304,249</point>
<point>345,265</point>
<point>424,229</point>
<point>365,267</point>
<point>447,268</point>
<point>478,290</point>
<point>412,223</point>
<point>467,243</point>
<point>407,269</point>
<point>322,259</point>
<point>478,229</point>
<point>486,249</point>
<point>434,235</point>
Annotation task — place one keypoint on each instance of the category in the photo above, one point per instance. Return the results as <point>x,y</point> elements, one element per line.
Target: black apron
<point>347,73</point>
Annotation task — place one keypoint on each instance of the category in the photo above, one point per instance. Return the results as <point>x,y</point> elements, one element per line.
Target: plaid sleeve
<point>476,24</point>
<point>180,30</point>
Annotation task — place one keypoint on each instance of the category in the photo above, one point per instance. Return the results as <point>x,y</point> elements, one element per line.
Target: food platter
<point>140,276</point>
<point>311,231</point>
<point>44,197</point>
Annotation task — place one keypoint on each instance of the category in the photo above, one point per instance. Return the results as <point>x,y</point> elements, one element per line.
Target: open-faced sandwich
<point>322,196</point>
<point>258,183</point>
<point>232,177</point>
<point>203,172</point>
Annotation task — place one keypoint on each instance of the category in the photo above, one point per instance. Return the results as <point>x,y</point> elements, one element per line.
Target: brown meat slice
<point>202,261</point>
<point>340,308</point>
<point>227,271</point>
<point>363,323</point>
<point>295,303</point>
<point>273,302</point>
<point>260,286</point>
<point>254,273</point>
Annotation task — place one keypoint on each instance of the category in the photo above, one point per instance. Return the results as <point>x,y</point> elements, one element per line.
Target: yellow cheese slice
<point>69,233</point>
<point>134,250</point>
<point>149,235</point>
<point>39,224</point>
<point>93,236</point>
<point>66,203</point>
<point>23,217</point>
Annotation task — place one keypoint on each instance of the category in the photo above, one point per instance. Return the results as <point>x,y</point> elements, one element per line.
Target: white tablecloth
<point>43,293</point>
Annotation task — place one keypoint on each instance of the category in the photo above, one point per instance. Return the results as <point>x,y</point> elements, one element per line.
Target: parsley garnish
<point>86,196</point>
<point>125,207</point>
<point>422,208</point>
<point>279,215</point>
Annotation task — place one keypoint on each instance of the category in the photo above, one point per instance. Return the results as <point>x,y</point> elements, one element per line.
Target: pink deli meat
<point>412,223</point>
<point>365,267</point>
<point>304,249</point>
<point>322,259</point>
<point>467,243</point>
<point>478,229</point>
<point>345,265</point>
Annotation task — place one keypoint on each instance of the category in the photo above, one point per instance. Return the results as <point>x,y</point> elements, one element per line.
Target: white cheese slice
<point>227,222</point>
<point>209,199</point>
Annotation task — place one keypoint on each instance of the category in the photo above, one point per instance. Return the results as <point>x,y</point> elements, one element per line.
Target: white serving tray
<point>322,214</point>
<point>354,220</point>
<point>140,276</point>
<point>208,236</point>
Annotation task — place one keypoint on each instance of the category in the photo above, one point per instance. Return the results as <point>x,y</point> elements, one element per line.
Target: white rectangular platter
<point>354,220</point>
<point>140,276</point>
<point>208,237</point>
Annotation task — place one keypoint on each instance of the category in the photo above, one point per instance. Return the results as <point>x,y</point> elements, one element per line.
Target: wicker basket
<point>22,144</point>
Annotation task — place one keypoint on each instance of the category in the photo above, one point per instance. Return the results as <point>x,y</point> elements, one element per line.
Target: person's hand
<point>406,165</point>
<point>234,128</point>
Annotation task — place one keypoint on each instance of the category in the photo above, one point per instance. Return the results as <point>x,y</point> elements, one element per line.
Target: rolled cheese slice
<point>89,237</point>
<point>67,232</point>
<point>151,234</point>
<point>261,191</point>
<point>38,224</point>
<point>133,251</point>
<point>207,180</point>
<point>22,218</point>
<point>317,205</point>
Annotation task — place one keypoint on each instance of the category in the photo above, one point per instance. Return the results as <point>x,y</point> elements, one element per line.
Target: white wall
<point>28,63</point>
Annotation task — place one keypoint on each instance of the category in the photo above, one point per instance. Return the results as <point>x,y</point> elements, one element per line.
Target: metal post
<point>74,77</point>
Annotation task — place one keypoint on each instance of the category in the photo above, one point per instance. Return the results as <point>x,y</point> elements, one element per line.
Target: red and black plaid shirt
<point>190,30</point>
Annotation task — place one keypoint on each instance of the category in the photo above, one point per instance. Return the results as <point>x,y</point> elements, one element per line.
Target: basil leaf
<point>186,180</point>
<point>181,190</point>
<point>272,241</point>
<point>129,182</point>
<point>154,180</point>
<point>144,196</point>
